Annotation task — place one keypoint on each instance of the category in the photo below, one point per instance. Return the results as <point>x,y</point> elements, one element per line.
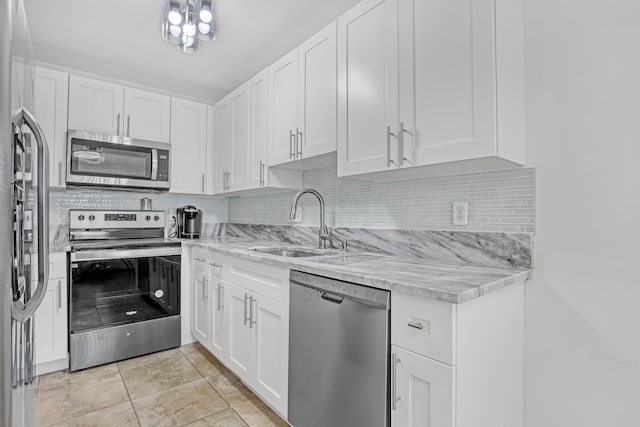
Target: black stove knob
<point>148,217</point>
<point>156,217</point>
<point>92,217</point>
<point>81,217</point>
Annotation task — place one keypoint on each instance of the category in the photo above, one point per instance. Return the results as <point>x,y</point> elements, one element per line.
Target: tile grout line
<point>128,395</point>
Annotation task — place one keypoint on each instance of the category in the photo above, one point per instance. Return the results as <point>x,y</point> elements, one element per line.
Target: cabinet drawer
<point>267,280</point>
<point>57,266</point>
<point>424,326</point>
<point>200,259</point>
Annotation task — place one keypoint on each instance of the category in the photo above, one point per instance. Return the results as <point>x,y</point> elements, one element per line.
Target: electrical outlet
<point>460,213</point>
<point>298,217</point>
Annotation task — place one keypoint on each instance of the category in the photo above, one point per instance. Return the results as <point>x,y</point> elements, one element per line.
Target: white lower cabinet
<point>200,307</point>
<point>51,323</point>
<point>270,348</point>
<point>239,332</point>
<point>246,330</point>
<point>219,335</point>
<point>50,320</point>
<point>424,391</point>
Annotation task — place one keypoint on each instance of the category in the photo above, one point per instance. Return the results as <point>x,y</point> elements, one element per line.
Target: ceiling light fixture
<point>186,22</point>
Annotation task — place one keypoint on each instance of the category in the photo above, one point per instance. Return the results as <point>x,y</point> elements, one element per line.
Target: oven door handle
<point>107,254</point>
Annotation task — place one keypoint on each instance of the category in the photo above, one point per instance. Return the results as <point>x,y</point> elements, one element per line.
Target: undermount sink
<point>287,253</point>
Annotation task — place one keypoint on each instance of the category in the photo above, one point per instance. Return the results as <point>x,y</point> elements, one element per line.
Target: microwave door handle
<point>154,164</point>
<point>19,312</point>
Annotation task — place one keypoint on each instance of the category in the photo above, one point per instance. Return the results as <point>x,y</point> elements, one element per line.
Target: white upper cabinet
<point>302,95</point>
<point>446,89</point>
<point>257,156</point>
<point>283,117</point>
<point>147,115</point>
<point>368,87</point>
<point>239,138</point>
<point>95,106</point>
<point>188,146</point>
<point>317,100</point>
<point>223,140</point>
<point>51,100</point>
<point>103,107</point>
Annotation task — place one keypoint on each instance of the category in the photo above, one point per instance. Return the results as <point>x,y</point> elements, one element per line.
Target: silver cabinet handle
<point>198,259</point>
<point>416,325</point>
<point>128,125</point>
<point>118,125</point>
<point>204,288</point>
<point>401,143</point>
<point>246,319</point>
<point>213,264</point>
<point>220,290</point>
<point>59,294</point>
<point>292,143</point>
<point>389,134</point>
<point>394,383</point>
<point>261,173</point>
<point>298,143</point>
<point>251,301</point>
<point>60,172</point>
<point>203,183</point>
<point>22,313</point>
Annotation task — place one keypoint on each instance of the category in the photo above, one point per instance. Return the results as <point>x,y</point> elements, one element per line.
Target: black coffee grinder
<point>189,222</point>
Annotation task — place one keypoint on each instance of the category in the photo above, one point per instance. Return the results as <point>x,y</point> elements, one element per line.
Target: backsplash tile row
<point>498,202</point>
<point>215,209</point>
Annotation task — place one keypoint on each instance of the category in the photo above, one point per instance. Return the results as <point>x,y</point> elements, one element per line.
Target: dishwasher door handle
<point>331,298</point>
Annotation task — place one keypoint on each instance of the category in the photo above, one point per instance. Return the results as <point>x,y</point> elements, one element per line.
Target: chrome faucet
<point>323,233</point>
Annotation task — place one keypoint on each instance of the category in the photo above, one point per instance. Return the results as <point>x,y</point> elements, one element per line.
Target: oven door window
<point>96,158</point>
<point>120,291</point>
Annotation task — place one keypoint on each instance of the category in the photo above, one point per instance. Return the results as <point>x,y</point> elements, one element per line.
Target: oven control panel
<point>93,220</point>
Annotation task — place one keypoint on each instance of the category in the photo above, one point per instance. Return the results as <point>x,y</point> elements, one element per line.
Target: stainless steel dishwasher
<point>338,353</point>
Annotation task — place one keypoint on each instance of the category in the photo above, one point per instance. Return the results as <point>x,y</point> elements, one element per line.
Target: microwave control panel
<point>163,165</point>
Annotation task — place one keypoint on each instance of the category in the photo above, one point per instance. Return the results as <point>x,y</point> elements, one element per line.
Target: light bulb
<point>206,15</point>
<point>204,28</point>
<point>175,30</point>
<point>187,41</point>
<point>189,29</point>
<point>174,17</point>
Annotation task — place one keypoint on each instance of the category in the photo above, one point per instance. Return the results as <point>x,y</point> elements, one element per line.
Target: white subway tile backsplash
<point>498,201</point>
<point>60,201</point>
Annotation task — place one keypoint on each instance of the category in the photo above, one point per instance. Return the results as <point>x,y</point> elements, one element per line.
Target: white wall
<point>583,127</point>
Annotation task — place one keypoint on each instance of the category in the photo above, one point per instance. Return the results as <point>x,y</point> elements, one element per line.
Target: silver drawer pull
<point>415,325</point>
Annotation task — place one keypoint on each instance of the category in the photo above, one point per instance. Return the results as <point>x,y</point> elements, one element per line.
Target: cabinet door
<point>219,327</point>
<point>257,159</point>
<point>318,96</point>
<point>95,106</point>
<point>223,141</point>
<point>271,349</point>
<point>210,166</point>
<point>425,389</point>
<point>240,137</point>
<point>188,146</point>
<point>283,109</point>
<point>447,84</point>
<point>52,96</point>
<point>240,356</point>
<point>51,323</point>
<point>201,307</point>
<point>368,87</point>
<point>147,115</point>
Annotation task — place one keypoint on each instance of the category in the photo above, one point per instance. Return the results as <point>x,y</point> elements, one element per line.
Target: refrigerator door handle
<point>24,312</point>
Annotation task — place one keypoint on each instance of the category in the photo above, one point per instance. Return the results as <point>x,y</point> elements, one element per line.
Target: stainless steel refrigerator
<point>23,173</point>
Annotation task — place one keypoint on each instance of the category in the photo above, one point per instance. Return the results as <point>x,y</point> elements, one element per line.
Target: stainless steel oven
<point>124,288</point>
<point>113,161</point>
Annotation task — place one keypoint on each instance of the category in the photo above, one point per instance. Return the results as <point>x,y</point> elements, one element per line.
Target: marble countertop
<point>451,283</point>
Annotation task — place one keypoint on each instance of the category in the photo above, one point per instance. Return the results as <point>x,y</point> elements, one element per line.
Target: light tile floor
<point>178,387</point>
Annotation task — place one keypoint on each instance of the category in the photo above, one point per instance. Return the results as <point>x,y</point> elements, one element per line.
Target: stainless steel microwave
<point>95,159</point>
